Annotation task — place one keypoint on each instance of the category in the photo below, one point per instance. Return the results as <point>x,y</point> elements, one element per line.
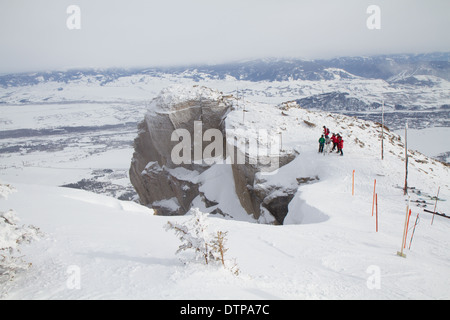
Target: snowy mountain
<point>385,67</point>
<point>98,247</point>
<point>66,145</point>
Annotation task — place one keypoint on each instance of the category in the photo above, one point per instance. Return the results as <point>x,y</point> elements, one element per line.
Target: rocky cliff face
<point>151,171</point>
<point>173,153</point>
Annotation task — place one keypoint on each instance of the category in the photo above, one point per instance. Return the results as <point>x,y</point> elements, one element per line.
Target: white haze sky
<point>135,33</point>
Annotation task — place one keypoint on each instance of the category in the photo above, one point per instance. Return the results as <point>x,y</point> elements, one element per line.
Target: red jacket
<point>341,143</point>
<point>334,139</point>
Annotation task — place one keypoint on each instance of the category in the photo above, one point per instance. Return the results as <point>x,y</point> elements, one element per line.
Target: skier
<point>340,145</point>
<point>321,144</point>
<point>335,141</point>
<point>327,145</point>
<point>326,132</point>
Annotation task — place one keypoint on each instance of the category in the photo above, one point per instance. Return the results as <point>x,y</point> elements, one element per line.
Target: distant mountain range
<point>391,68</point>
<point>414,87</point>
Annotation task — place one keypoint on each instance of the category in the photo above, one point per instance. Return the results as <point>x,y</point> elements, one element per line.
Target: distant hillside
<point>386,67</point>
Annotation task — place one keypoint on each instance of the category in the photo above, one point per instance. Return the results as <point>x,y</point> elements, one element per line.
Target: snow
<point>124,253</point>
<point>98,247</point>
<point>176,94</point>
<point>171,204</point>
<point>218,185</point>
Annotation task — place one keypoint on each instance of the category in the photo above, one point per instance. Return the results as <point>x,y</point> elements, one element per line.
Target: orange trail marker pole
<point>373,202</point>
<point>353,183</point>
<point>407,226</point>
<point>435,205</point>
<point>376,204</point>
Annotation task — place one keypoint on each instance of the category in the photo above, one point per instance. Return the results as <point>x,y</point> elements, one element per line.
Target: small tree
<point>194,236</point>
<point>219,249</point>
<point>218,245</point>
<point>12,236</point>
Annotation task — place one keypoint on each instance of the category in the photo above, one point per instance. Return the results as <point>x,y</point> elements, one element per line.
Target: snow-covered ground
<point>115,250</point>
<point>98,247</point>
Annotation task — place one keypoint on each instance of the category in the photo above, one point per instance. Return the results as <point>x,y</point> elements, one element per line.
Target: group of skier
<point>325,142</point>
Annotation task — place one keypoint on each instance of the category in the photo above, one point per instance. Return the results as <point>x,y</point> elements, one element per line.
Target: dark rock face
<point>278,206</point>
<point>255,196</point>
<point>171,187</point>
<point>151,168</point>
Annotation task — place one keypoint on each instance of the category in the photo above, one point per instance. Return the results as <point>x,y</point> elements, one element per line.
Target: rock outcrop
<point>173,149</point>
<point>152,162</point>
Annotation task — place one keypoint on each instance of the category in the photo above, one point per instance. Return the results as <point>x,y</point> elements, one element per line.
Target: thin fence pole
<point>435,205</point>
<point>376,203</point>
<point>414,230</point>
<point>407,227</point>
<point>400,253</point>
<point>406,159</point>
<point>353,183</point>
<point>382,133</point>
<point>373,201</point>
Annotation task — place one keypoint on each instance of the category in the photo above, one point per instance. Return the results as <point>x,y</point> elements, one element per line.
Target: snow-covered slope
<point>328,249</point>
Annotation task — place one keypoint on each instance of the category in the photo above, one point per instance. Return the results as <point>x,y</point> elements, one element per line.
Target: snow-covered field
<point>98,247</point>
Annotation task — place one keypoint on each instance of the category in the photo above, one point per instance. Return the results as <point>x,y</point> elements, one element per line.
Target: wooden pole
<point>382,132</point>
<point>407,227</point>
<point>373,201</point>
<point>376,204</point>
<point>243,111</point>
<point>353,183</point>
<point>281,141</point>
<point>414,230</point>
<point>437,213</point>
<point>400,253</point>
<point>405,190</point>
<point>435,205</point>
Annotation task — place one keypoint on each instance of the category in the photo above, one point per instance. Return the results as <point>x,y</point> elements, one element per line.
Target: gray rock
<point>150,172</point>
<point>170,187</point>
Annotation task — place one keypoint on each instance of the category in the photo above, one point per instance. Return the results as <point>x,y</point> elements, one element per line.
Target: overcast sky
<point>126,33</point>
